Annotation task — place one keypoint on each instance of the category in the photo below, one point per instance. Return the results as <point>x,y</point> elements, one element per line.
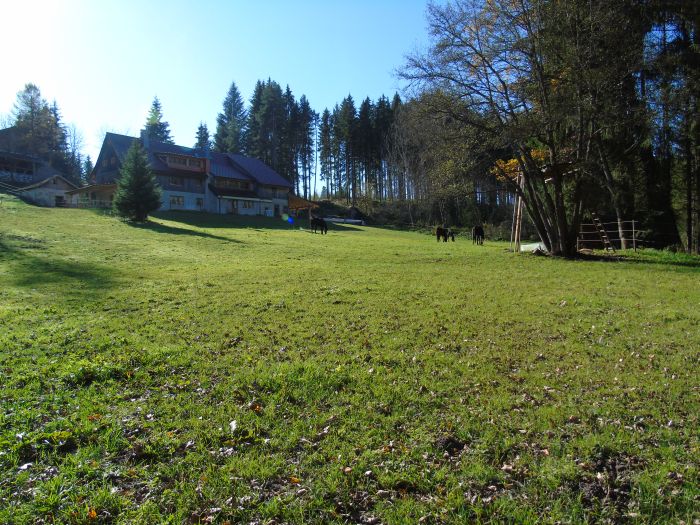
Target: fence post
<point>634,237</point>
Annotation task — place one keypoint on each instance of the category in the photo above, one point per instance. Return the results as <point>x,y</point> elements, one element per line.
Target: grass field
<point>202,369</point>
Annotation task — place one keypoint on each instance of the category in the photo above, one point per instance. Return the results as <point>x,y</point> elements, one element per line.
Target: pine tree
<point>267,121</point>
<point>306,140</point>
<point>251,137</point>
<point>230,123</point>
<point>347,134</point>
<point>326,151</point>
<point>86,171</point>
<point>203,140</point>
<point>34,123</point>
<point>288,146</point>
<point>364,146</point>
<point>383,124</point>
<point>156,129</point>
<point>138,193</point>
<point>40,131</point>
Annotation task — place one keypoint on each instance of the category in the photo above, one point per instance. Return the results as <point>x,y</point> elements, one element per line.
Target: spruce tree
<point>203,140</point>
<point>156,129</point>
<point>138,193</point>
<point>86,171</point>
<point>251,137</point>
<point>230,123</point>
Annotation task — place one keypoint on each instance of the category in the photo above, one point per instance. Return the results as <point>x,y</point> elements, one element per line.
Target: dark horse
<point>317,223</point>
<point>443,233</point>
<point>478,234</point>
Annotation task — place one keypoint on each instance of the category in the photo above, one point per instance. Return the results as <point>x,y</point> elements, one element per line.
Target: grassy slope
<point>373,375</point>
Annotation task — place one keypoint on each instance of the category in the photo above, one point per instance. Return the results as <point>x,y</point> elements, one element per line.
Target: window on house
<point>233,184</point>
<point>177,200</point>
<point>177,160</point>
<point>176,181</point>
<point>248,204</point>
<point>200,202</point>
<point>234,204</point>
<point>195,163</point>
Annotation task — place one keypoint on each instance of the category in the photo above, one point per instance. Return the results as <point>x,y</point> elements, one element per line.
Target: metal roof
<point>259,171</point>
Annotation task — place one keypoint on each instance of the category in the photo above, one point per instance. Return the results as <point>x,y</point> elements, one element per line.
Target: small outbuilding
<point>48,192</point>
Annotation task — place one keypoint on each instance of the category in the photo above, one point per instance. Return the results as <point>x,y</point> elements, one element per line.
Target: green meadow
<point>201,369</point>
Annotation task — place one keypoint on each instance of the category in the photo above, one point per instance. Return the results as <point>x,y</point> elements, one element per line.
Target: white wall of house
<point>45,196</point>
<point>282,204</point>
<point>50,192</point>
<point>182,200</point>
<point>247,207</point>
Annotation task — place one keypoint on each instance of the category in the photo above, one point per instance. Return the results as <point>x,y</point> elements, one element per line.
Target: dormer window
<point>176,181</point>
<point>182,162</point>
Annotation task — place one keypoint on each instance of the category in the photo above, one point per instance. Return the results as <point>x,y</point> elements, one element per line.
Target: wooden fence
<point>608,236</point>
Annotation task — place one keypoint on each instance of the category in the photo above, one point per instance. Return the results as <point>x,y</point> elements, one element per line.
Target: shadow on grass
<point>658,257</point>
<point>74,278</point>
<point>334,226</point>
<point>211,220</point>
<point>173,230</point>
<point>683,261</point>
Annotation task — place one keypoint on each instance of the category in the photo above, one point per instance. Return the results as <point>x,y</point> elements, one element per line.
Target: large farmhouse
<point>190,179</point>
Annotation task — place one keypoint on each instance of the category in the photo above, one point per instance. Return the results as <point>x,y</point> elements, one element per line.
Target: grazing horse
<point>442,232</point>
<point>317,223</point>
<point>478,234</point>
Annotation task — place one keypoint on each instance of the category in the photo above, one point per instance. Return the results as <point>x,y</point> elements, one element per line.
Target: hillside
<point>202,369</point>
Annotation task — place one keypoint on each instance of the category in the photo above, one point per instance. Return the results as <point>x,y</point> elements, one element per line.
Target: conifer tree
<point>203,140</point>
<point>326,150</point>
<point>156,128</point>
<point>252,127</point>
<point>230,123</point>
<point>306,141</point>
<point>86,171</point>
<point>138,193</point>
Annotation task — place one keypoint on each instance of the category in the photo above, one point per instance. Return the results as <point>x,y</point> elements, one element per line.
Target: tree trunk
<point>688,193</point>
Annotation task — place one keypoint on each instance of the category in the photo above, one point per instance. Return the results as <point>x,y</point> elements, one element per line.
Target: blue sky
<point>103,61</point>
